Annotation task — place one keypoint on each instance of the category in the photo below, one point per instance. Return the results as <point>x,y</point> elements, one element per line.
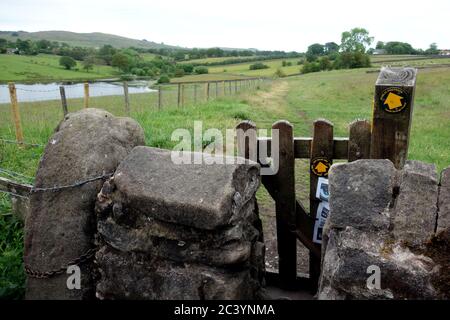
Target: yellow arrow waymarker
<point>321,168</point>
<point>393,101</point>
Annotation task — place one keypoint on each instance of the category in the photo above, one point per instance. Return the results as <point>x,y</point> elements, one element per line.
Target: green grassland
<point>45,67</point>
<point>339,96</point>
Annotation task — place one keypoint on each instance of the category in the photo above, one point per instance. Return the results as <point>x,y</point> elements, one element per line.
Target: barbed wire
<point>74,185</point>
<point>14,174</point>
<point>25,143</point>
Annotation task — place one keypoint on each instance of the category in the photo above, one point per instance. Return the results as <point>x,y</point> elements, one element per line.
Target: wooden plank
<point>392,114</point>
<point>359,140</point>
<point>302,147</point>
<point>285,203</point>
<point>86,95</point>
<point>321,153</point>
<point>62,92</point>
<point>246,140</point>
<point>15,112</point>
<point>127,98</point>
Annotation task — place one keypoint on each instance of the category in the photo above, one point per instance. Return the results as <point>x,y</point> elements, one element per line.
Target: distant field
<point>46,68</point>
<point>208,77</point>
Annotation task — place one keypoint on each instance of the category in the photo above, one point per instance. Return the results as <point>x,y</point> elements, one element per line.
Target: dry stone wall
<point>387,223</point>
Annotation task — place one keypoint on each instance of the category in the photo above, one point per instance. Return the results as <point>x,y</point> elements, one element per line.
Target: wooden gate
<point>386,137</point>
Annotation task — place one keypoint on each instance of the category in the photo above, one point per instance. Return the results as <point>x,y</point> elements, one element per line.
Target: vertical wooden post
<point>217,89</point>
<point>230,88</point>
<point>248,146</point>
<point>86,94</point>
<point>207,91</point>
<point>195,94</point>
<point>62,91</point>
<point>182,95</point>
<point>235,86</point>
<point>15,112</point>
<point>127,99</point>
<point>179,95</point>
<point>392,113</point>
<point>321,160</point>
<point>159,98</point>
<point>359,140</point>
<point>285,204</point>
<point>223,88</point>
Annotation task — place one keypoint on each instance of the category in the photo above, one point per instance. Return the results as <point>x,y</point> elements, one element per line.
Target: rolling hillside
<point>94,39</point>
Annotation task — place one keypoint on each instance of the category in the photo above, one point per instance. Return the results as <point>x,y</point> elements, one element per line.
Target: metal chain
<point>85,257</point>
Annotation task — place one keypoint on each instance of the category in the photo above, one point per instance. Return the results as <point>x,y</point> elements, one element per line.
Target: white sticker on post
<point>321,218</point>
<point>322,189</point>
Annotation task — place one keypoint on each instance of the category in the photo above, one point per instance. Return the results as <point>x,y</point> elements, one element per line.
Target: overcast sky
<point>276,24</point>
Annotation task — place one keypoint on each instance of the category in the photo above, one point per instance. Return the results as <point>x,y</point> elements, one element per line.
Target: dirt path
<point>275,100</point>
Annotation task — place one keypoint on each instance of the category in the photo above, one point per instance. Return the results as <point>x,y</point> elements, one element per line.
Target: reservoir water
<point>50,91</point>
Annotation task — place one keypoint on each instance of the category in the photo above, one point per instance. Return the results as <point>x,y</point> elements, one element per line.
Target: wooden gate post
<point>15,112</point>
<point>62,91</point>
<point>285,204</point>
<point>159,97</point>
<point>392,113</point>
<point>321,160</point>
<point>359,140</point>
<point>207,91</point>
<point>86,94</point>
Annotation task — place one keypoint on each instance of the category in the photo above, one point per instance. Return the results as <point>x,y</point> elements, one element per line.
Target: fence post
<point>195,94</point>
<point>359,140</point>
<point>127,100</point>
<point>217,89</point>
<point>86,94</point>
<point>179,95</point>
<point>207,91</point>
<point>285,204</point>
<point>392,113</point>
<point>182,95</point>
<point>230,88</point>
<point>223,88</point>
<point>16,112</point>
<point>62,91</point>
<point>321,160</point>
<point>159,97</point>
<point>235,86</point>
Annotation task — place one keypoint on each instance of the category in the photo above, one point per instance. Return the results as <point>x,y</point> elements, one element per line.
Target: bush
<point>164,79</point>
<point>201,70</point>
<point>352,60</point>
<point>279,73</point>
<point>309,67</point>
<point>258,66</point>
<point>324,63</point>
<point>179,72</point>
<point>188,68</point>
<point>67,62</point>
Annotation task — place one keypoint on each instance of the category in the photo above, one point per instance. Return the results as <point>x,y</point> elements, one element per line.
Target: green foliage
<point>258,66</point>
<point>122,61</point>
<point>352,60</point>
<point>433,49</point>
<point>280,73</point>
<point>355,40</point>
<point>179,72</point>
<point>12,277</point>
<point>67,62</point>
<point>201,70</point>
<point>163,79</point>
<point>88,63</point>
<point>315,50</point>
<point>324,63</point>
<point>309,67</point>
<point>396,47</point>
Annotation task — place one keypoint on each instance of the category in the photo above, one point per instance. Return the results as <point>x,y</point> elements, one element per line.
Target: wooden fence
<point>386,137</point>
<point>179,95</point>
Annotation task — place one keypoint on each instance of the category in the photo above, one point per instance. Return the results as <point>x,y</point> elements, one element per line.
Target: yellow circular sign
<point>393,100</point>
<point>320,167</point>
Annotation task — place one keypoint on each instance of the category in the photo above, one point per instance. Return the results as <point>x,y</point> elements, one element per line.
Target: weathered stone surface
<point>126,275</point>
<point>61,224</point>
<point>413,261</point>
<point>416,204</point>
<point>443,222</point>
<point>193,195</point>
<point>179,231</point>
<point>404,275</point>
<point>361,192</point>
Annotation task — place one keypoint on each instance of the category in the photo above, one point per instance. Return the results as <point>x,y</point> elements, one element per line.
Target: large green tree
<point>67,62</point>
<point>356,40</point>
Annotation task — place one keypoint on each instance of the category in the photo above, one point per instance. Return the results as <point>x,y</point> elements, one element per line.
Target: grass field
<point>340,96</point>
<point>46,68</point>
